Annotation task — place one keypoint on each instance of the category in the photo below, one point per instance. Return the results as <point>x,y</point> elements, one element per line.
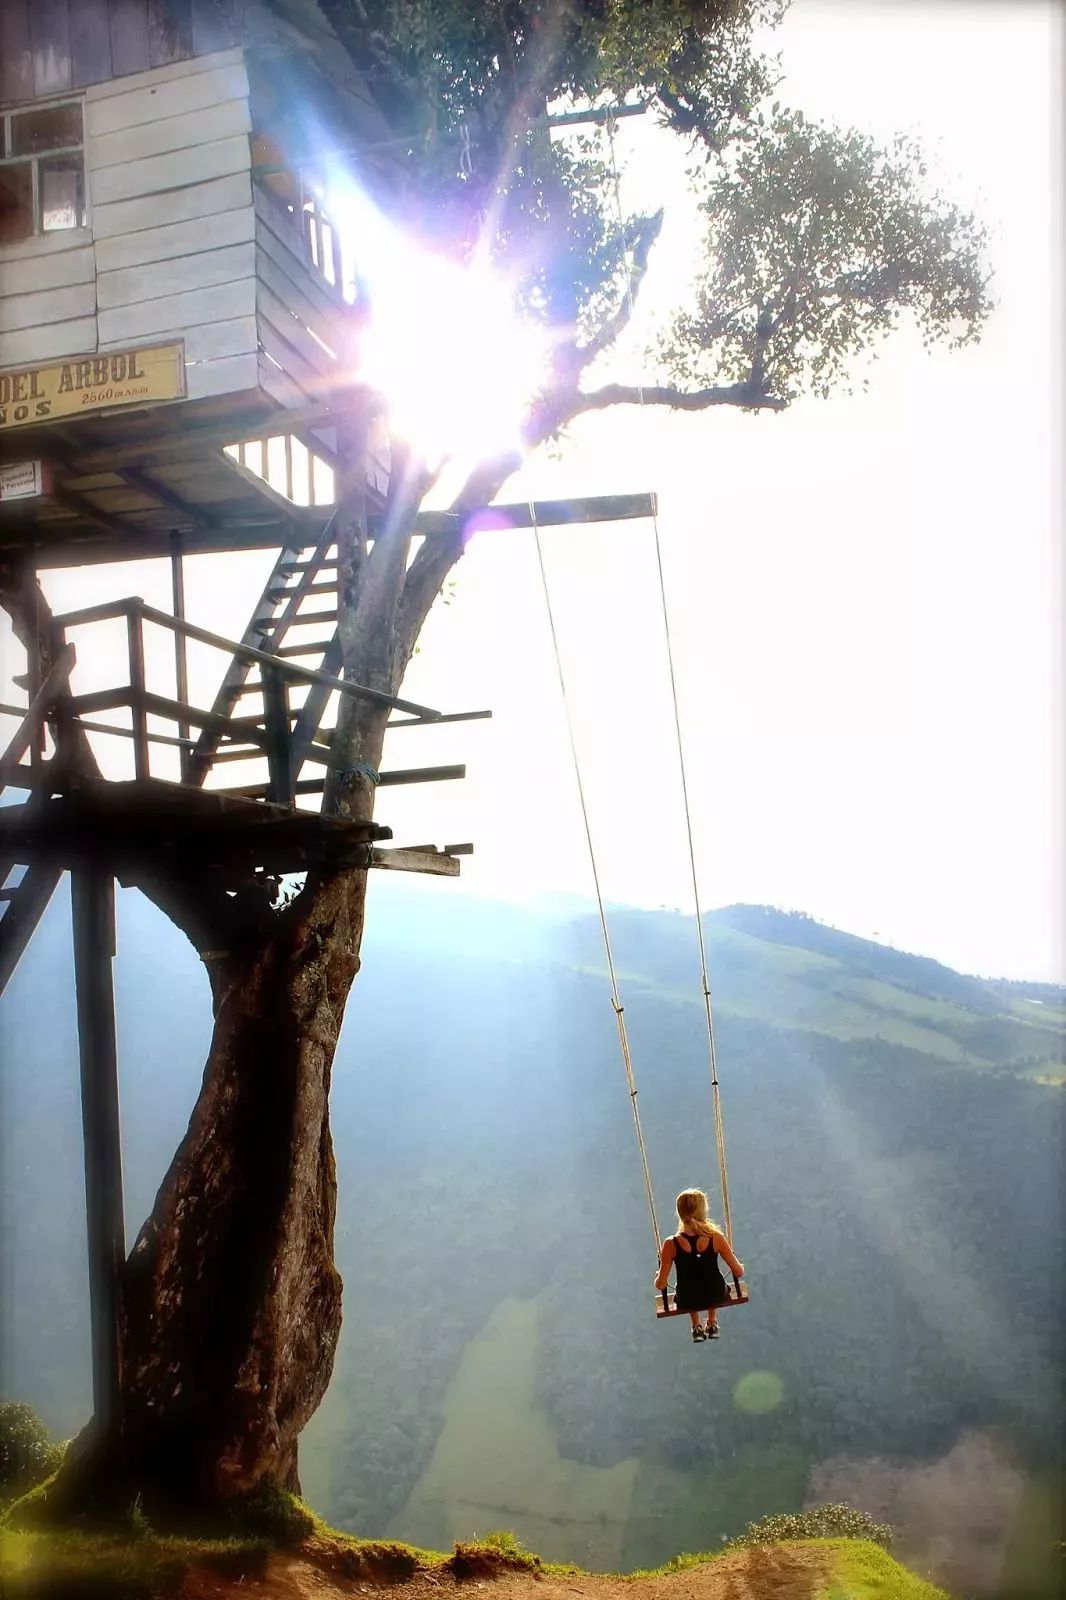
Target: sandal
<point>698,1336</point>
<point>712,1331</point>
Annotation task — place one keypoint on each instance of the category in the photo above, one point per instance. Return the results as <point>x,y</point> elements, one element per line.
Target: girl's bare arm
<point>721,1244</point>
<point>666,1261</point>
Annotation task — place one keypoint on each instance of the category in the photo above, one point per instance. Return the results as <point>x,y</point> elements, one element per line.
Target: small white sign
<point>22,481</point>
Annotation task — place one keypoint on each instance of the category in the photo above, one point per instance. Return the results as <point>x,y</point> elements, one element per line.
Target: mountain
<point>895,1138</point>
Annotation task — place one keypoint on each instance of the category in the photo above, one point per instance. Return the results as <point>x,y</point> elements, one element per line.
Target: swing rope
<point>705,987</point>
<point>616,998</point>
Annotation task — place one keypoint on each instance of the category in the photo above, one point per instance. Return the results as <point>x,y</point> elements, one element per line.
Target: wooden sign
<point>91,383</point>
<point>24,480</point>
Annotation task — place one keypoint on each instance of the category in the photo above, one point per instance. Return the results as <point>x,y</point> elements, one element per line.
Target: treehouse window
<point>42,171</point>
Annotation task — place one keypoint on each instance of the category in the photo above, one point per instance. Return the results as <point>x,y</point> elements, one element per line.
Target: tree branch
<point>582,356</point>
<point>619,394</point>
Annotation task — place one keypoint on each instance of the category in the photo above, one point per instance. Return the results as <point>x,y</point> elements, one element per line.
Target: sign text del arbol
<point>91,383</point>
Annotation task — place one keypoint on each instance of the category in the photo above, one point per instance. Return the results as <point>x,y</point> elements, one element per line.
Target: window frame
<point>27,107</point>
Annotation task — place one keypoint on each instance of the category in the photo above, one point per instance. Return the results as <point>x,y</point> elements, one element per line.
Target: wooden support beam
<point>307,522</point>
<point>436,863</point>
<point>93,903</point>
<point>27,903</point>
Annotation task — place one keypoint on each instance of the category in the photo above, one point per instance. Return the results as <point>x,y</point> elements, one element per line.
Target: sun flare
<point>444,343</point>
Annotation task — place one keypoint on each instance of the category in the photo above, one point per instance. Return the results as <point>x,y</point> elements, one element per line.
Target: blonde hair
<point>692,1212</point>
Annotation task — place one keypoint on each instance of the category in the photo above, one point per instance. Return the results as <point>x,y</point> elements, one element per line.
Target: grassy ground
<point>327,1565</point>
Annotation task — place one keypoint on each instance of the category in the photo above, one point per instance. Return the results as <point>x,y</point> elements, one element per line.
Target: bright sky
<point>866,593</point>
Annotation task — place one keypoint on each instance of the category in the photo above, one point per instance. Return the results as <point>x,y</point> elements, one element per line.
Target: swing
<point>665,1299</point>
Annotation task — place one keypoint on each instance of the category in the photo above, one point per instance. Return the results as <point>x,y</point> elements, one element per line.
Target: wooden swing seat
<point>666,1300</point>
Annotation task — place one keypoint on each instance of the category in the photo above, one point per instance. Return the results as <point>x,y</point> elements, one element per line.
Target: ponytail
<point>692,1213</point>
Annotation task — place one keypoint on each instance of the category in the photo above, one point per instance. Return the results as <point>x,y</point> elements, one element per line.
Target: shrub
<point>27,1454</point>
<point>820,1522</point>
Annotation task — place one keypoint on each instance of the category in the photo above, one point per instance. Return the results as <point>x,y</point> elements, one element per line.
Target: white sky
<point>866,593</point>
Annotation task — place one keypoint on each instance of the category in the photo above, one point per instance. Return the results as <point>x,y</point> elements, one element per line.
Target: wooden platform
<point>124,826</point>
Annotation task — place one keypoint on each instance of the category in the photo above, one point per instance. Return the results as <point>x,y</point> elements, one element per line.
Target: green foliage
<point>821,1522</point>
<point>273,1514</point>
<point>27,1455</point>
<point>818,243</point>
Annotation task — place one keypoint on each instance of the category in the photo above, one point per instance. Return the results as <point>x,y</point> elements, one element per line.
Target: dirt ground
<point>758,1574</point>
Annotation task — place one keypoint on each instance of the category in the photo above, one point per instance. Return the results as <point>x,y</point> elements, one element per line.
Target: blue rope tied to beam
<point>361,769</point>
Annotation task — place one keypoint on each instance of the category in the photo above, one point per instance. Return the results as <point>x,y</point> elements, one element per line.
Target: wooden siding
<point>179,243</point>
<point>50,46</point>
<point>170,179</point>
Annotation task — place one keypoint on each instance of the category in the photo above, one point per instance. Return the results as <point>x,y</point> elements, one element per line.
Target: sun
<point>444,343</point>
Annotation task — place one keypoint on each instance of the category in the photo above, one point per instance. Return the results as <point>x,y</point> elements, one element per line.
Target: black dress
<point>700,1285</point>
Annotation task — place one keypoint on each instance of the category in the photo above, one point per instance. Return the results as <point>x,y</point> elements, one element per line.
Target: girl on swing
<point>693,1254</point>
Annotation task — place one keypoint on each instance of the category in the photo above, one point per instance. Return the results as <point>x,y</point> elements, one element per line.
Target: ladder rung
<point>305,594</point>
<point>319,647</point>
<point>302,622</point>
<point>287,568</point>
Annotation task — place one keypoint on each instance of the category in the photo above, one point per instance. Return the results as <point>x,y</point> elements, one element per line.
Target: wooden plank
<point>93,908</point>
<point>43,245</point>
<point>236,336</point>
<point>77,337</point>
<point>549,514</point>
<point>16,51</point>
<point>30,275</point>
<point>90,42</point>
<point>292,361</point>
<point>154,76</point>
<point>173,239</point>
<point>127,106</point>
<point>215,304</point>
<point>178,206</point>
<point>175,170</point>
<point>215,25</point>
<point>191,128</point>
<point>130,285</point>
<point>50,37</point>
<point>281,388</point>
<point>169,31</point>
<point>231,375</point>
<point>434,862</point>
<point>129,36</point>
<point>297,298</point>
<point>283,246</point>
<point>53,305</point>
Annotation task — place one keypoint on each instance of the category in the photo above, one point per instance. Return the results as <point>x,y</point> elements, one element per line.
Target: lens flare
<point>443,343</point>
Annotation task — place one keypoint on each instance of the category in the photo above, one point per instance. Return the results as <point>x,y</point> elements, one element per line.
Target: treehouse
<point>181,374</point>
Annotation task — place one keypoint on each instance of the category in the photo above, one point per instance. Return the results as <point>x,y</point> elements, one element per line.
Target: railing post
<point>135,635</point>
<point>280,787</point>
<point>181,654</point>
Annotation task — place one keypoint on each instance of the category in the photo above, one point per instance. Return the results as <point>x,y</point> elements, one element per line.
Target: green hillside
<point>895,1140</point>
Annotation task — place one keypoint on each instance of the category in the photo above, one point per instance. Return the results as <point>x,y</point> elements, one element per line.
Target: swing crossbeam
<point>666,1300</point>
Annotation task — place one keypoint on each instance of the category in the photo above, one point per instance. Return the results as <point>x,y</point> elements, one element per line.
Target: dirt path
<point>775,1573</point>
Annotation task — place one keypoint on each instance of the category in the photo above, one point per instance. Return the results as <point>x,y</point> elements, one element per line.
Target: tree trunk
<point>232,1302</point>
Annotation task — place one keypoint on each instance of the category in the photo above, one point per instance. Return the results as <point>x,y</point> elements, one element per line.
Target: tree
<point>817,245</point>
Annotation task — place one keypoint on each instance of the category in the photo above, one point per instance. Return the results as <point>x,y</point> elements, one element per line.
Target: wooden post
<point>181,655</point>
<point>93,905</point>
<point>135,634</point>
<point>280,787</point>
<point>34,670</point>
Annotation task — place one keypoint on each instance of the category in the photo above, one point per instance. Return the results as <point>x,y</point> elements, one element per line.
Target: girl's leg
<point>712,1320</point>
<point>694,1318</point>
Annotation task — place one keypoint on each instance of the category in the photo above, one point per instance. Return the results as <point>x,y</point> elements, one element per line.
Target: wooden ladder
<point>23,904</point>
<point>279,612</point>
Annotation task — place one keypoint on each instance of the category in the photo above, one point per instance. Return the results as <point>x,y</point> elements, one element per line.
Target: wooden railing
<point>270,735</point>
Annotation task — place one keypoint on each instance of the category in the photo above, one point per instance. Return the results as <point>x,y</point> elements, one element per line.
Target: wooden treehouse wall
<point>48,47</point>
<point>174,239</point>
